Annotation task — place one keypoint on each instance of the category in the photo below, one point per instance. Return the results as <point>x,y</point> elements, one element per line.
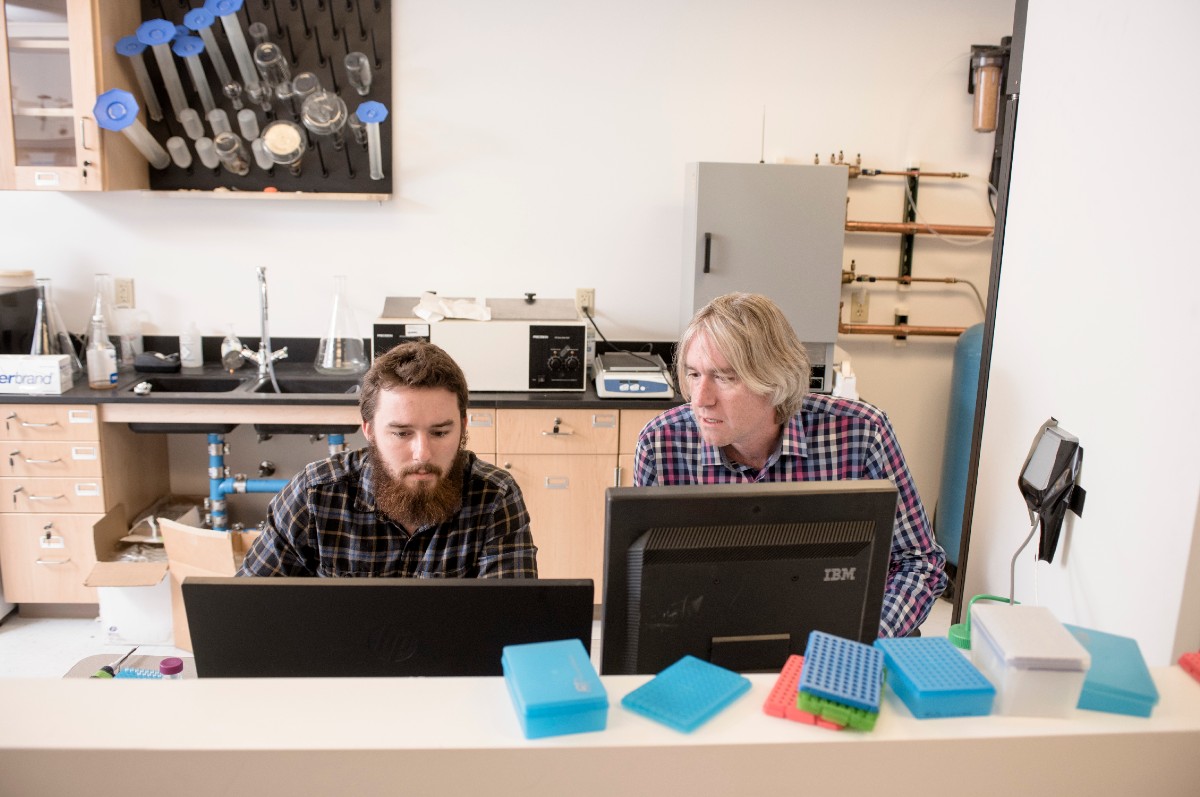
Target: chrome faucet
<point>264,357</point>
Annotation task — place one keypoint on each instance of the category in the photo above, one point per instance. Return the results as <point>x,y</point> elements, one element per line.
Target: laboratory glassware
<point>200,20</point>
<point>207,152</point>
<point>341,350</point>
<point>358,71</point>
<point>192,126</point>
<point>248,124</point>
<point>130,47</point>
<point>233,154</point>
<point>284,142</point>
<point>324,114</point>
<point>189,48</point>
<point>233,92</point>
<point>272,65</point>
<point>372,113</point>
<point>258,33</point>
<point>226,11</point>
<point>116,109</point>
<point>358,129</point>
<point>157,35</point>
<point>261,156</point>
<point>218,120</point>
<point>52,336</point>
<point>180,154</point>
<point>101,357</point>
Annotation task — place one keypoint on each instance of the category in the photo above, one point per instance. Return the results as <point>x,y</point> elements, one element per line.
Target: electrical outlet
<point>585,300</point>
<point>860,302</point>
<point>123,292</point>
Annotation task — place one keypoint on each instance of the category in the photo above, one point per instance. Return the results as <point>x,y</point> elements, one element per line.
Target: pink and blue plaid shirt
<point>828,439</point>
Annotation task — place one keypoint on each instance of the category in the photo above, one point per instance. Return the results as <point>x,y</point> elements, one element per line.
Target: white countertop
<point>455,735</point>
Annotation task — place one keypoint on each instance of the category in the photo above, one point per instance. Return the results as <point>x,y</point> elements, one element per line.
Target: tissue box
<point>35,373</point>
<point>554,688</point>
<point>1037,667</point>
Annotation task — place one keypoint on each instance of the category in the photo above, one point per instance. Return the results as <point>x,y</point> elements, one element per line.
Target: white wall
<point>1096,322</point>
<point>541,147</point>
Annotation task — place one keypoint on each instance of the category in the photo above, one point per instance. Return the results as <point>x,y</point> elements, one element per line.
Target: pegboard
<point>314,36</point>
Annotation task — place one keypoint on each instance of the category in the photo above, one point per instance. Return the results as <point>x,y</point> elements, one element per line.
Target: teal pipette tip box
<point>1118,681</point>
<point>934,679</point>
<point>554,688</point>
<point>687,694</point>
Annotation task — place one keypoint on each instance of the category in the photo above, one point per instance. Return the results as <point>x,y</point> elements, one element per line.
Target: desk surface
<point>461,736</point>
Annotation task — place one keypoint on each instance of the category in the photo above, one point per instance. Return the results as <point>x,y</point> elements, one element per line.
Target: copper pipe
<point>912,173</point>
<point>917,228</point>
<point>901,330</point>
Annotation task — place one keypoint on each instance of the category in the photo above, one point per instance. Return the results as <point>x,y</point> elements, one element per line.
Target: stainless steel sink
<point>187,383</point>
<point>309,384</point>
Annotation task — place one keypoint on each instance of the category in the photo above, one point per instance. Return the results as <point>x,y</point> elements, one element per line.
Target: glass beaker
<point>324,114</point>
<point>51,336</point>
<point>341,350</point>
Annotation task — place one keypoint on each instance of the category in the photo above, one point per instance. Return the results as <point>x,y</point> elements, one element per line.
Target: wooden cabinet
<point>56,56</point>
<point>563,460</point>
<point>632,423</point>
<point>60,473</point>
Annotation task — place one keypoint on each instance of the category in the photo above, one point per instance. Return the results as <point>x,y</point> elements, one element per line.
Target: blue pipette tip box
<point>843,671</point>
<point>1118,681</point>
<point>687,694</point>
<point>934,679</point>
<point>554,688</point>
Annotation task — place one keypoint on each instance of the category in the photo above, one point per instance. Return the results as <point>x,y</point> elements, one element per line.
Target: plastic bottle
<point>171,668</point>
<point>101,357</point>
<point>190,353</point>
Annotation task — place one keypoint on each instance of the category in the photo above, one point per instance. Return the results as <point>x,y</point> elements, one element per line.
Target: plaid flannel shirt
<point>828,439</point>
<point>325,523</point>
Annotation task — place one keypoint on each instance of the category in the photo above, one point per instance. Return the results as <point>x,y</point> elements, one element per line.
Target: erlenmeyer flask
<point>341,350</point>
<point>51,336</point>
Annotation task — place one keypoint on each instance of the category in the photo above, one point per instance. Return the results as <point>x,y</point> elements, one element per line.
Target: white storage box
<point>35,373</point>
<point>1036,665</point>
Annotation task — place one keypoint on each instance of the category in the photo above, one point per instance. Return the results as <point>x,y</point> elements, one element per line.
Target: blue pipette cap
<point>182,30</point>
<point>130,46</point>
<point>199,19</point>
<point>115,109</point>
<point>156,31</point>
<point>187,46</point>
<point>371,112</point>
<point>221,8</point>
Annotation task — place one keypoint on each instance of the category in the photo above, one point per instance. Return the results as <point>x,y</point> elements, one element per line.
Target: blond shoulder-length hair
<point>751,332</point>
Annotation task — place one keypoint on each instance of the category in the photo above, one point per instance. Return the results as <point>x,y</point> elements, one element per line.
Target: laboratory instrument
<point>110,670</point>
<point>272,66</point>
<point>218,120</point>
<point>324,114</point>
<point>192,126</point>
<point>341,349</point>
<point>130,47</point>
<point>624,374</point>
<point>116,109</point>
<point>358,71</point>
<point>233,92</point>
<point>248,124</point>
<point>261,156</point>
<point>207,152</point>
<point>358,129</point>
<point>371,113</point>
<point>157,35</point>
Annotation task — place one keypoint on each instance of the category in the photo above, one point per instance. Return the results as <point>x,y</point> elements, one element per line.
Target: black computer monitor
<point>341,627</point>
<point>740,574</point>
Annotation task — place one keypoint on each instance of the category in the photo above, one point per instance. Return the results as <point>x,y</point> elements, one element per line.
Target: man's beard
<point>423,503</point>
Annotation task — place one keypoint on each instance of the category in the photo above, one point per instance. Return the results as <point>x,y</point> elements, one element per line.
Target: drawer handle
<point>36,497</point>
<point>556,432</point>
<point>558,483</point>
<point>54,461</point>
<point>28,425</point>
<point>52,561</point>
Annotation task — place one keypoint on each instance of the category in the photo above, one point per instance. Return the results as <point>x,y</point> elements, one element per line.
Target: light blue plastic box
<point>554,688</point>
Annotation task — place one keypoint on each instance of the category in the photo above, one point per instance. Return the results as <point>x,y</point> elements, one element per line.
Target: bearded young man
<point>415,502</point>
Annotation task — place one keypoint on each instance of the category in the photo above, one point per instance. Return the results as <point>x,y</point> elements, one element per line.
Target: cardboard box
<point>35,374</point>
<point>135,597</point>
<point>194,551</point>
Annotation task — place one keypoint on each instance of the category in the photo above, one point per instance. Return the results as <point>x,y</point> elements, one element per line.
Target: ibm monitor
<point>740,574</point>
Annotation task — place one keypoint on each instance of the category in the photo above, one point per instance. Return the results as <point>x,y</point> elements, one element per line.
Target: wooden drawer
<point>39,458</point>
<point>51,495</point>
<point>45,558</point>
<point>556,432</point>
<point>565,498</point>
<point>481,431</point>
<point>632,423</point>
<point>48,422</point>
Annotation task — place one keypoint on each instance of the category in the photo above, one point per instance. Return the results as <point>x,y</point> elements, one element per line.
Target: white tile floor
<point>49,647</point>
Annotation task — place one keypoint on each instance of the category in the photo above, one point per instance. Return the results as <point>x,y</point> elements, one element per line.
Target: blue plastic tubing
<point>218,488</point>
<point>960,422</point>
